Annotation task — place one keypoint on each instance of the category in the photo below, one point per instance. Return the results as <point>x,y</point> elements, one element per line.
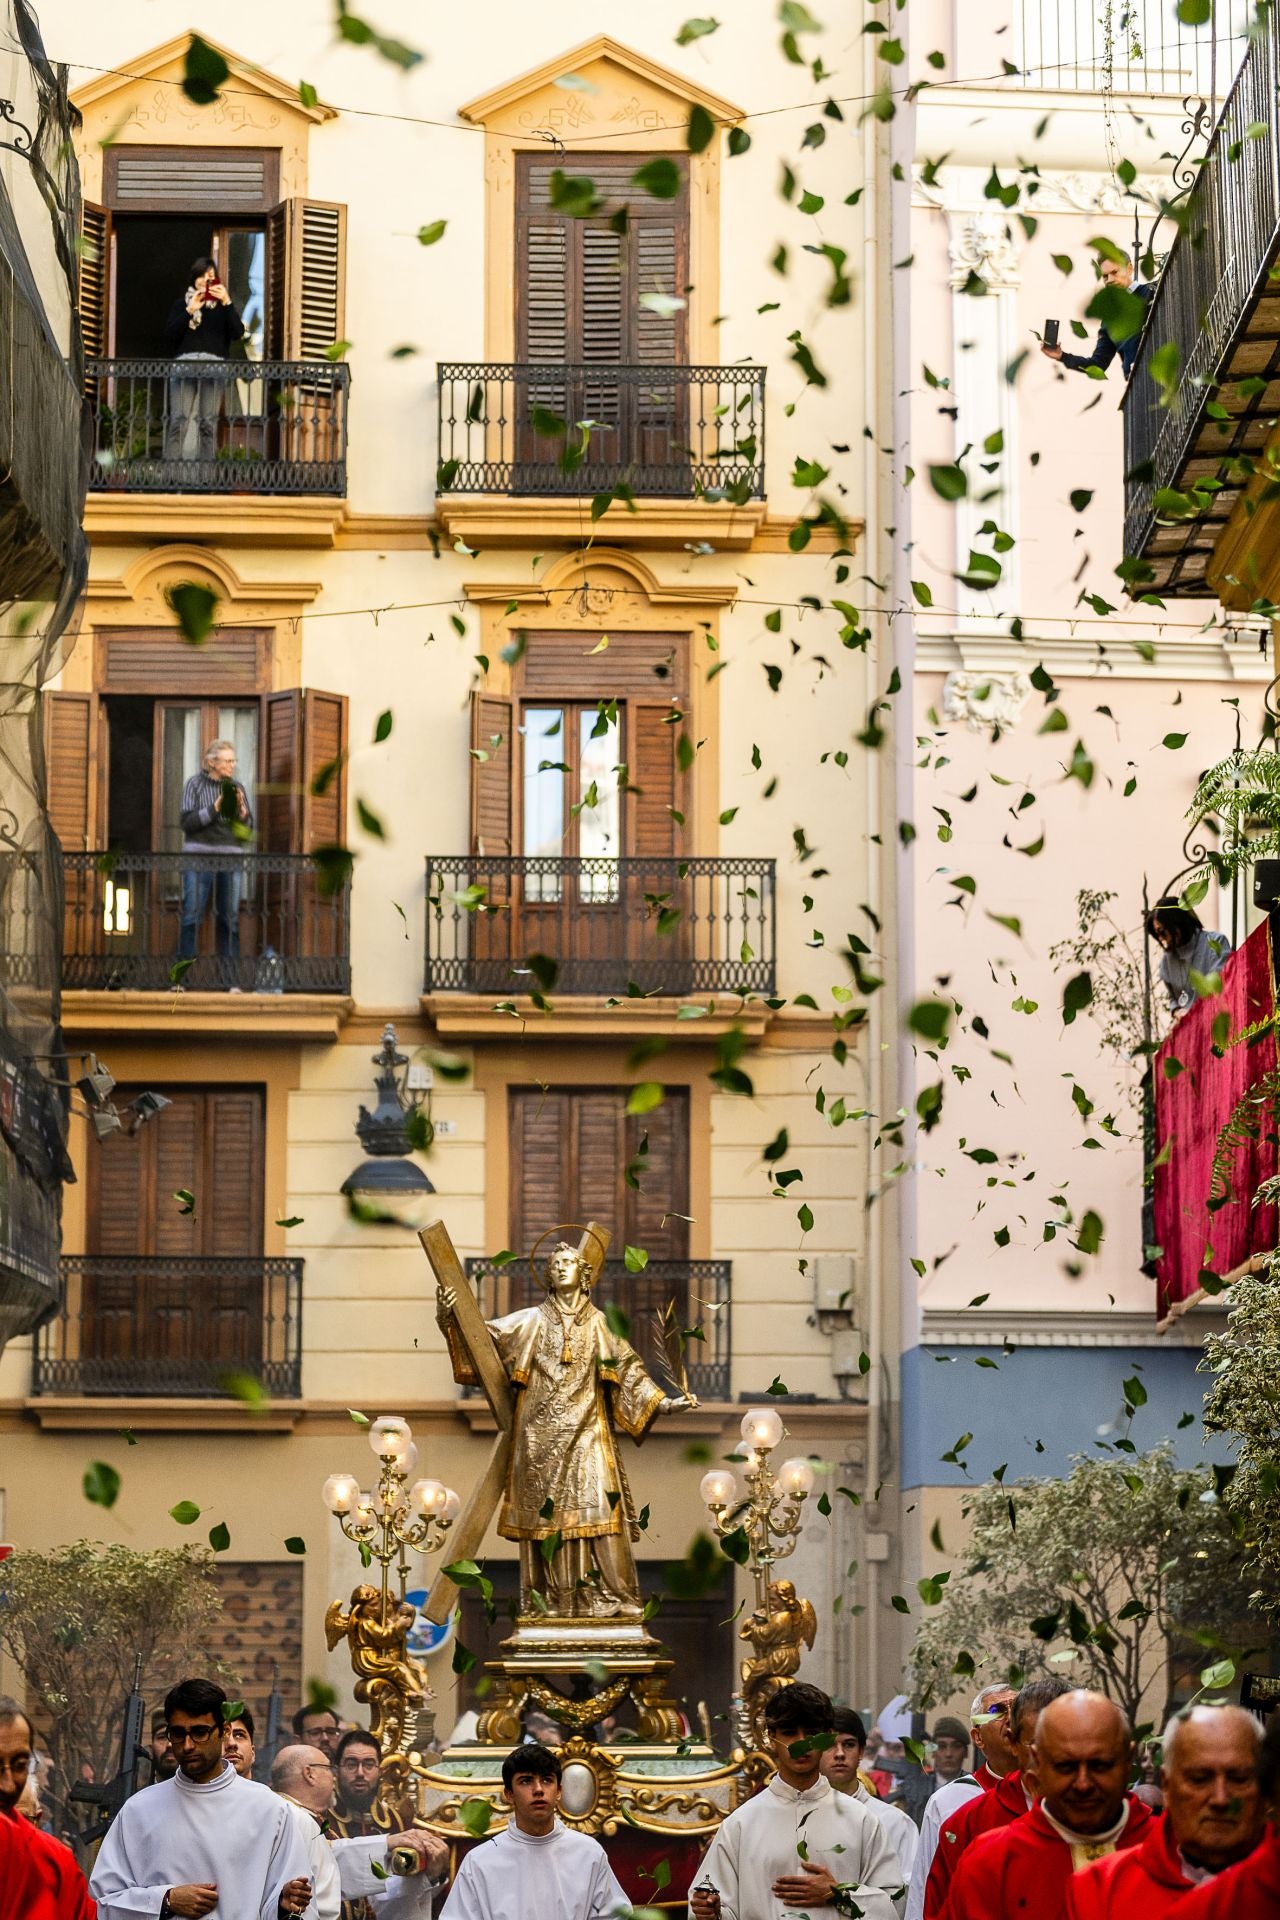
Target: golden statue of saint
<point>566,1498</point>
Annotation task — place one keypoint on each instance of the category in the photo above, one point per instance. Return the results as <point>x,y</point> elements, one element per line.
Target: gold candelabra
<point>769,1515</point>
<point>387,1525</point>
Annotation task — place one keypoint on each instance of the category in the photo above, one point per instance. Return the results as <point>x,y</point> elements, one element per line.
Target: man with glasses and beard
<point>204,1840</point>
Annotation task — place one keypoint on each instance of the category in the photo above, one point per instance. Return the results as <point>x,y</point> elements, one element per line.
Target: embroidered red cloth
<point>1192,1107</point>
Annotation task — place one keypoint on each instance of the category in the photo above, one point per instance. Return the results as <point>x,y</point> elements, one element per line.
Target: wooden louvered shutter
<point>277,282</point>
<point>317,256</point>
<point>491,763</point>
<point>324,741</point>
<point>233,1164</point>
<point>119,1185</point>
<point>597,1147</point>
<point>95,280</point>
<point>306,733</point>
<point>539,1187</point>
<point>71,768</point>
<point>543,289</point>
<point>280,811</point>
<point>651,1213</point>
<point>175,1143</point>
<point>652,776</point>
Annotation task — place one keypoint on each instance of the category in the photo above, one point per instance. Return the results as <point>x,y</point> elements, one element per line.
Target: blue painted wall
<point>1067,1398</point>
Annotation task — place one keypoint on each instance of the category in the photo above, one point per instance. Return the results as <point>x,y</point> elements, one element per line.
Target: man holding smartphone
<point>203,325</point>
<point>1113,273</point>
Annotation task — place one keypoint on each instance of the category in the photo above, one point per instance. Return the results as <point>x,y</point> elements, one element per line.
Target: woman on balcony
<point>1186,947</point>
<point>203,325</point>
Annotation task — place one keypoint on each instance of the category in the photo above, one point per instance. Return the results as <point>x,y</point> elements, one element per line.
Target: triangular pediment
<point>166,64</point>
<point>602,69</point>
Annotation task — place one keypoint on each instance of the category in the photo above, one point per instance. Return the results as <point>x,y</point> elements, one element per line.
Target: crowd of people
<point>1054,1822</point>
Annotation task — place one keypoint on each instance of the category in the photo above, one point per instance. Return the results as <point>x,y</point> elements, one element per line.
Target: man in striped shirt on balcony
<point>216,818</point>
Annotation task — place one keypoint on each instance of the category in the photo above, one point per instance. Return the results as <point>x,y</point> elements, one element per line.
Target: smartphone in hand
<point>1050,333</point>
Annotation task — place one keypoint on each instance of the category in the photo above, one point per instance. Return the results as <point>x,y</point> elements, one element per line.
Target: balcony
<point>1138,47</point>
<point>680,449</point>
<point>669,927</point>
<point>700,1290</point>
<point>136,1327</point>
<point>269,427</point>
<point>123,924</point>
<point>1214,316</point>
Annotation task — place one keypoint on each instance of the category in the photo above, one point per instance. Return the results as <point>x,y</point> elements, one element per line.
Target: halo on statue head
<point>594,1260</point>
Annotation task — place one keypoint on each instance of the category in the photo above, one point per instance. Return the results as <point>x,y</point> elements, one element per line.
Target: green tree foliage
<point>1244,1401</point>
<point>74,1621</point>
<point>1094,1578</point>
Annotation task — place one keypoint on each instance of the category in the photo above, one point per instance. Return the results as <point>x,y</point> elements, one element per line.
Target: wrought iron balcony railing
<point>1207,315</point>
<point>213,426</point>
<point>590,428</point>
<point>700,1290</point>
<point>703,925</point>
<point>265,926</point>
<point>135,1327</point>
<point>1131,46</point>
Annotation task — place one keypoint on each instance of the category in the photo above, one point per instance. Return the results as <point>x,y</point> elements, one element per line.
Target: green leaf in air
<point>193,606</point>
<point>101,1484</point>
<point>433,231</point>
<point>186,1513</point>
<point>220,1537</point>
<point>659,177</point>
<point>203,72</point>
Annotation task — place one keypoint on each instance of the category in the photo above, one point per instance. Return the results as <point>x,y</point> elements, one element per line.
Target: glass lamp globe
<point>796,1478</point>
<point>365,1510</point>
<point>410,1459</point>
<point>390,1433</point>
<point>718,1488</point>
<point>452,1505</point>
<point>428,1497</point>
<point>762,1428</point>
<point>340,1492</point>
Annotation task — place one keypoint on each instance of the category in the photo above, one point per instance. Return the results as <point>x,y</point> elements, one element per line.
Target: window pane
<point>544,810</point>
<point>244,275</point>
<point>180,758</point>
<point>599,822</point>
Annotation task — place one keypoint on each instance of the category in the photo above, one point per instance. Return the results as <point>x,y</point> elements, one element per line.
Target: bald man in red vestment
<point>1008,1800</point>
<point>39,1878</point>
<point>1250,1891</point>
<point>1081,1755</point>
<point>1212,1819</point>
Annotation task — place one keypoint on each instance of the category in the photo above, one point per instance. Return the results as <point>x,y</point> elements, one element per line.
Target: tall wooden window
<point>208,1144</point>
<point>283,261</point>
<point>569,1151</point>
<point>579,283</point>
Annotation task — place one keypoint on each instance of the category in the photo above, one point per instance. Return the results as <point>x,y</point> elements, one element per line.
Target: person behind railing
<point>214,806</point>
<point>1186,947</point>
<point>1114,272</point>
<point>203,325</point>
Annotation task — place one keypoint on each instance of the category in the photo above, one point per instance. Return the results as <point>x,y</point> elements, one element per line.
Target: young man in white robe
<point>535,1869</point>
<point>354,1869</point>
<point>841,1763</point>
<point>205,1842</point>
<point>799,1843</point>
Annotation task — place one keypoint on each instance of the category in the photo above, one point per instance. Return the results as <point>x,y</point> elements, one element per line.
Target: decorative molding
<point>1073,656</point>
<point>649,72</point>
<point>243,520</point>
<point>500,520</point>
<point>983,243</point>
<point>588,571</point>
<point>1033,1327</point>
<point>986,702</point>
<point>187,1017</point>
<point>960,190</point>
<point>471,1016</point>
<point>147,66</point>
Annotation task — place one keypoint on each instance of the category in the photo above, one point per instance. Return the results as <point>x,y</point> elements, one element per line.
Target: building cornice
<point>1178,655</point>
<point>1039,1327</point>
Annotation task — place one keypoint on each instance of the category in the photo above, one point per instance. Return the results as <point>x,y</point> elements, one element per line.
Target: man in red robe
<point>1081,1756</point>
<point>1213,1818</point>
<point>1250,1891</point>
<point>1008,1799</point>
<point>39,1879</point>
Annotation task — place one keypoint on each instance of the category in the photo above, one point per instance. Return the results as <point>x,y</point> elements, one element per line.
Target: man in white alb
<point>799,1843</point>
<point>841,1763</point>
<point>205,1842</point>
<point>535,1869</point>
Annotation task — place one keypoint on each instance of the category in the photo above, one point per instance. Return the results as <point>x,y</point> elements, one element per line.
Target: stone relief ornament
<point>985,701</point>
<point>983,243</point>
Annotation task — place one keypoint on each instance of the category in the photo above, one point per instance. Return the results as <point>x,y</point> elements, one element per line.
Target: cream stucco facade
<point>398,598</point>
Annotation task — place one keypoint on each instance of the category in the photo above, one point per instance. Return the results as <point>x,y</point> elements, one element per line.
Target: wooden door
<point>157,1319</point>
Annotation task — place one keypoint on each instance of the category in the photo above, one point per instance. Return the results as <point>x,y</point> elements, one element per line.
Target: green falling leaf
<point>204,72</point>
<point>101,1484</point>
